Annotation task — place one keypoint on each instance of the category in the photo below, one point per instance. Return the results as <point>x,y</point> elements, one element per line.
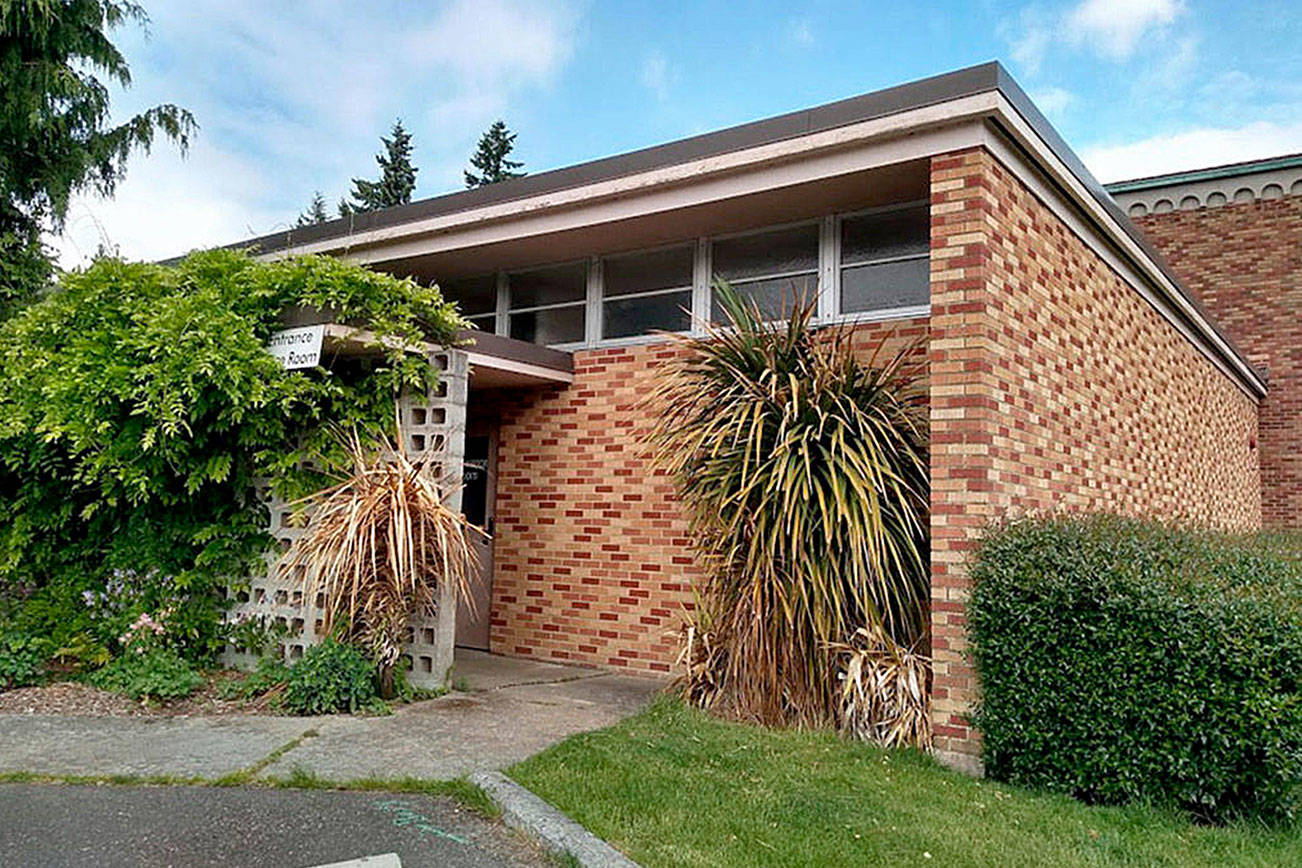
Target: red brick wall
<point>1245,263</point>
<point>1055,385</point>
<point>592,563</point>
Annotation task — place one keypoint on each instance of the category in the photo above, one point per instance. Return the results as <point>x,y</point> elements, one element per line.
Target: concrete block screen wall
<point>1055,384</point>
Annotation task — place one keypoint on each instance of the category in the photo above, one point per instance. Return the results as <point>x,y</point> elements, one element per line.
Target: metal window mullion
<point>886,260</point>
<point>592,320</point>
<point>829,291</point>
<point>700,285</point>
<point>580,302</point>
<point>502,324</point>
<point>646,293</point>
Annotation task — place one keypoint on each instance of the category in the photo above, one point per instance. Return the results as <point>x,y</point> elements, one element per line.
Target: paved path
<point>55,826</point>
<point>512,710</point>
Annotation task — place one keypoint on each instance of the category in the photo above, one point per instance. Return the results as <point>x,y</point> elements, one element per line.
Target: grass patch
<point>469,795</point>
<point>674,786</point>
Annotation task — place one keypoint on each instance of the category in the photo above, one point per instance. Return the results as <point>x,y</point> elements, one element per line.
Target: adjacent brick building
<point>1234,235</point>
<point>1068,365</point>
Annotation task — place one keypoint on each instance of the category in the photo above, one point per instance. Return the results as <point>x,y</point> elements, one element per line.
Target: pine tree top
<point>397,176</point>
<point>491,157</point>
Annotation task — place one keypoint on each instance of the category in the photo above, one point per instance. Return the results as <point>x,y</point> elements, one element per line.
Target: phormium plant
<point>804,471</point>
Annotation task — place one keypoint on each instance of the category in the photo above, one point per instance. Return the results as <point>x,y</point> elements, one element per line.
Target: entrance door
<point>477,496</point>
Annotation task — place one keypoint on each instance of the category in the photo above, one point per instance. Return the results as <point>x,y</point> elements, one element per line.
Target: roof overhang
<point>980,106</point>
<point>495,362</point>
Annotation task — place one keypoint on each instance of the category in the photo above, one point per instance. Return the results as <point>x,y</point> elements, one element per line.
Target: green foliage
<point>804,469</point>
<point>149,673</point>
<point>22,659</point>
<point>329,678</point>
<point>270,673</point>
<point>55,137</point>
<point>491,157</point>
<point>137,407</point>
<point>1122,661</point>
<point>397,177</point>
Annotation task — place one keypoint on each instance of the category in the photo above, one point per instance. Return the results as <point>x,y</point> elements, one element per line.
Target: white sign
<point>297,348</point>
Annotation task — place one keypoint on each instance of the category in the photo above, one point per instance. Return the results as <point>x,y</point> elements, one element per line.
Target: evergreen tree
<point>490,158</point>
<point>56,66</point>
<point>397,177</point>
<point>315,213</point>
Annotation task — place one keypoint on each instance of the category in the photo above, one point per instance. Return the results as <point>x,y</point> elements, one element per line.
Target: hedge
<point>1124,661</point>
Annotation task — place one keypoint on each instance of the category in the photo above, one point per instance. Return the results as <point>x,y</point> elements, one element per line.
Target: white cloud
<point>1028,38</point>
<point>800,32</point>
<point>168,206</point>
<point>1053,101</point>
<point>1193,149</point>
<point>1114,28</point>
<point>656,75</point>
<point>293,97</point>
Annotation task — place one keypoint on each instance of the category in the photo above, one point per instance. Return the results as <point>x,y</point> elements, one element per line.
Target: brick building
<point>1069,366</point>
<point>1233,234</point>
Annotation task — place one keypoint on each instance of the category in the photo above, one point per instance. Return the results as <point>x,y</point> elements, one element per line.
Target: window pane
<point>473,295</point>
<point>887,285</point>
<point>550,285</point>
<point>486,323</point>
<point>644,314</point>
<point>557,325</point>
<point>644,272</point>
<point>884,235</point>
<point>780,252</point>
<point>775,297</point>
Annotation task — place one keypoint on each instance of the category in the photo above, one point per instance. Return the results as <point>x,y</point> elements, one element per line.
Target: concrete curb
<point>522,810</point>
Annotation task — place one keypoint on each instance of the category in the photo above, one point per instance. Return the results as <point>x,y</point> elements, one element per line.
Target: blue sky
<point>292,97</point>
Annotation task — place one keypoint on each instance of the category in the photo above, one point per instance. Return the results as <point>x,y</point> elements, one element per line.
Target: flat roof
<point>1210,173</point>
<point>972,81</point>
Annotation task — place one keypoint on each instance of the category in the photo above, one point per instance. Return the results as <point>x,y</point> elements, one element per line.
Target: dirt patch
<point>71,697</point>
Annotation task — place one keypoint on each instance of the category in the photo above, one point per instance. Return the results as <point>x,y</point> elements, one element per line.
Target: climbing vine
<point>138,406</point>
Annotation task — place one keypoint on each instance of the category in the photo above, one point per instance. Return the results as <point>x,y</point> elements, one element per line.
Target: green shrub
<point>331,677</point>
<point>153,673</point>
<point>140,407</point>
<point>1124,661</point>
<point>270,672</point>
<point>22,659</point>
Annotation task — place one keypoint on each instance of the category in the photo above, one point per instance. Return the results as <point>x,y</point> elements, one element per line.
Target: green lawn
<point>673,786</point>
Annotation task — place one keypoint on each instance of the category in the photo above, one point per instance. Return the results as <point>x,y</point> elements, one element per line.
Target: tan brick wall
<point>592,563</point>
<point>1244,261</point>
<point>1055,385</point>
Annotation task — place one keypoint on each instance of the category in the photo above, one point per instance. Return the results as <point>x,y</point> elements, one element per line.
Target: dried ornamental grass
<point>379,545</point>
<point>884,691</point>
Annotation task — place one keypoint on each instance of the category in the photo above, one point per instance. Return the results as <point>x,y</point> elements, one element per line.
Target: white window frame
<point>603,299</point>
<point>886,313</point>
<point>827,274</point>
<point>585,302</point>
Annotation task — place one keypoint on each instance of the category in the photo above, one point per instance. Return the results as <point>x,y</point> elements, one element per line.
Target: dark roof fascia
<point>1209,173</point>
<point>878,104</point>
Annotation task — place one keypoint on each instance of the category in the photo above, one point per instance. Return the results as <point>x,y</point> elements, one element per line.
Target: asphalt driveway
<point>54,825</point>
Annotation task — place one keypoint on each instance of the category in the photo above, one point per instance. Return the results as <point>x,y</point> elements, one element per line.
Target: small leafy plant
<point>22,659</point>
<point>149,674</point>
<point>331,677</point>
<point>270,673</point>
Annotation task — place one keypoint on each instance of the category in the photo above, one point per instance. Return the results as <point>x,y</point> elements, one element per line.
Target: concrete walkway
<point>510,710</point>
